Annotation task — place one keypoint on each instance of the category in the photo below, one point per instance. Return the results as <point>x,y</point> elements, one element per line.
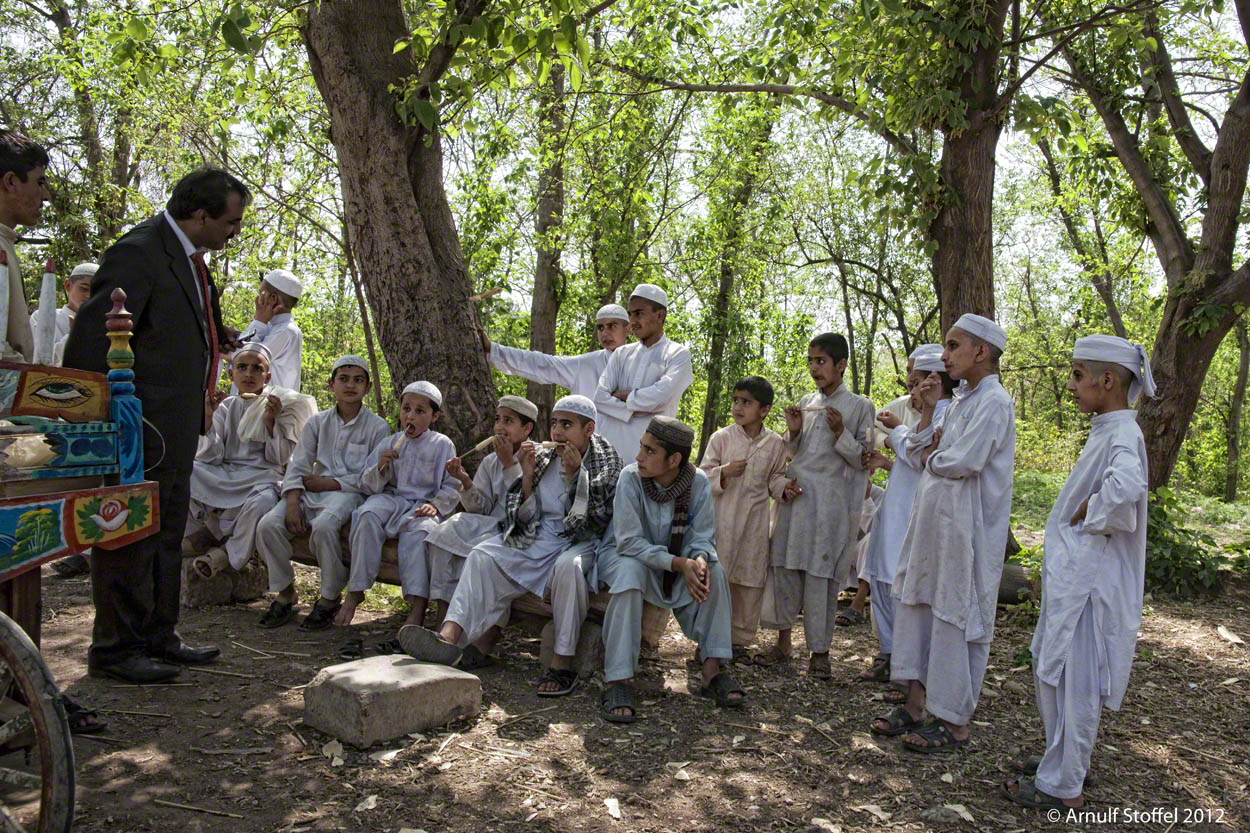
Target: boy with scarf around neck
<point>557,511</point>
<point>664,553</point>
<point>1093,575</point>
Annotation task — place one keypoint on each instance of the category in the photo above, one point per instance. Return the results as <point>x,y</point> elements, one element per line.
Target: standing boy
<point>814,540</point>
<point>408,489</point>
<point>557,511</point>
<point>275,327</point>
<point>665,554</point>
<point>1093,573</point>
<point>320,491</point>
<point>745,465</point>
<point>77,290</point>
<point>23,191</point>
<point>952,559</point>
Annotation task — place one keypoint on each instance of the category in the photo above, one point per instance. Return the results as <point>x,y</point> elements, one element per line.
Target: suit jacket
<point>170,332</point>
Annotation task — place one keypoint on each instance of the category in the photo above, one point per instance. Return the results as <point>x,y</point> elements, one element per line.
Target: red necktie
<point>201,271</point>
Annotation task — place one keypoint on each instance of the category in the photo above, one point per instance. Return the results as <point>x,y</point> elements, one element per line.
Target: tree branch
<point>1182,128</point>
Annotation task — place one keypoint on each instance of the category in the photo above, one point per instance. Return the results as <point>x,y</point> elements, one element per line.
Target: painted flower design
<point>112,515</point>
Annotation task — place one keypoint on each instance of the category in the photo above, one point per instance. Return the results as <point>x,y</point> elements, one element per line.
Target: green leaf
<point>234,37</point>
<point>425,113</point>
<point>137,29</point>
<point>400,46</point>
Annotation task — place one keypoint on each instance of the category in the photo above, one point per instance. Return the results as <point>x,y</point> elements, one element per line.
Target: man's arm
<point>627,521</point>
<point>969,454</point>
<point>539,367</point>
<point>302,459</point>
<point>1113,508</point>
<point>672,383</point>
<point>127,266</point>
<point>605,401</point>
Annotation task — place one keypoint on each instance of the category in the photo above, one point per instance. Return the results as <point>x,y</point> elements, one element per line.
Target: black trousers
<point>137,589</point>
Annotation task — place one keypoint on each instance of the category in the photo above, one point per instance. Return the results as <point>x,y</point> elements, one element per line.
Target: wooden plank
<point>41,390</point>
<point>21,600</point>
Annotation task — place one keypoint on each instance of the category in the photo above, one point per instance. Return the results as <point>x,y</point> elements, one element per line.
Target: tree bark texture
<point>1233,463</point>
<point>402,229</point>
<point>545,305</point>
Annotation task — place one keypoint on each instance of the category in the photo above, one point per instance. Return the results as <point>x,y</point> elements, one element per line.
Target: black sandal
<point>565,678</point>
<point>617,696</point>
<point>472,659</point>
<point>720,687</point>
<point>878,672</point>
<point>893,695</point>
<point>278,614</point>
<point>388,646</point>
<point>1029,765</point>
<point>849,617</point>
<point>321,616</point>
<point>82,721</point>
<point>938,739</point>
<point>1028,795</point>
<point>352,649</point>
<point>898,722</point>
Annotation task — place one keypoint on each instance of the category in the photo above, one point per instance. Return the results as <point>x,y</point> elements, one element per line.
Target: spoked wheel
<point>36,749</point>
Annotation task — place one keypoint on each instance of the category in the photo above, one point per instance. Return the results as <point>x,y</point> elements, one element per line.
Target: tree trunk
<point>1233,468</point>
<point>546,302</point>
<point>370,350</point>
<point>402,229</point>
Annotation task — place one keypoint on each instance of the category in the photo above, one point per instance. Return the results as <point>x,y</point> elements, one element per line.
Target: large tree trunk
<point>546,302</point>
<point>1233,463</point>
<point>402,229</point>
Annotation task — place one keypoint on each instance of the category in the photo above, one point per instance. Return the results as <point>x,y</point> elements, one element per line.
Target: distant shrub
<point>1179,560</point>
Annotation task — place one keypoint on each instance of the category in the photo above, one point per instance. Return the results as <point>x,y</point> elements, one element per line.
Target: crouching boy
<point>665,528</point>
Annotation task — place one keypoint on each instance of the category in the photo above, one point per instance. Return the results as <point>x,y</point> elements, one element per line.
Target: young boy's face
<point>961,353</point>
<point>746,409</point>
<point>826,372</point>
<point>349,385</point>
<point>653,460</point>
<point>569,428</point>
<point>249,372</point>
<point>611,332</point>
<point>266,291</point>
<point>77,291</point>
<point>1089,389</point>
<point>511,427</point>
<point>416,413</point>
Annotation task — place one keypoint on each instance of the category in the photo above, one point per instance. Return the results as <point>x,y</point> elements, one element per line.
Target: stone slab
<point>376,699</point>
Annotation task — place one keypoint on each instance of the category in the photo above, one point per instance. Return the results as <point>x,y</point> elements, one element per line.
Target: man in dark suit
<point>178,338</point>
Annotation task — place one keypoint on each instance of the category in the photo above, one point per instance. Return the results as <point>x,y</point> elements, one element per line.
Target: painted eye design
<point>61,393</point>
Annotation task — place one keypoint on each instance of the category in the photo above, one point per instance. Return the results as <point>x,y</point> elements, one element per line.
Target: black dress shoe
<point>137,669</point>
<point>186,655</point>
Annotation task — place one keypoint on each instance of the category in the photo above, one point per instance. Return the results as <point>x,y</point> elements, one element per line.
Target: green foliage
<point>1179,560</point>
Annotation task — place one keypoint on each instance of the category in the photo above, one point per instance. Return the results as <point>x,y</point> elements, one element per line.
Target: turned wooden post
<point>124,407</point>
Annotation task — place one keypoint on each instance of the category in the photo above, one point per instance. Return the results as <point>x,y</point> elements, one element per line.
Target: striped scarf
<point>590,507</point>
<point>679,493</point>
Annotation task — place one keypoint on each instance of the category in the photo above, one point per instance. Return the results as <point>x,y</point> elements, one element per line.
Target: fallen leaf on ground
<point>677,764</point>
<point>875,809</point>
<point>1229,636</point>
<point>614,807</point>
<point>336,761</point>
<point>948,778</point>
<point>825,824</point>
<point>369,803</point>
<point>385,755</point>
<point>333,749</point>
<point>681,775</point>
<point>1230,681</point>
<point>739,739</point>
<point>961,810</point>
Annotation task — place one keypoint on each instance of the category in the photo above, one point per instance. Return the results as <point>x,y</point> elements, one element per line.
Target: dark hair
<point>368,379</point>
<point>671,448</point>
<point>524,419</point>
<point>759,388</point>
<point>19,154</point>
<point>206,188</point>
<point>654,306</point>
<point>832,345</point>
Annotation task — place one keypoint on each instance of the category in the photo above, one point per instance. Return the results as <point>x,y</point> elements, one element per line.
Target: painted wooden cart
<point>71,478</point>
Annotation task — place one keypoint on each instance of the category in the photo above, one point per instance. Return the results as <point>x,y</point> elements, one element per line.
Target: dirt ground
<point>800,758</point>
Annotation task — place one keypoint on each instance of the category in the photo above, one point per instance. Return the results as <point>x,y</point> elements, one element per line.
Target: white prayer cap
<point>425,389</point>
<point>579,405</point>
<point>651,292</point>
<point>612,312</point>
<point>253,347</point>
<point>984,329</point>
<point>1121,351</point>
<point>350,360</point>
<point>83,270</point>
<point>929,358</point>
<point>285,282</point>
<point>520,404</point>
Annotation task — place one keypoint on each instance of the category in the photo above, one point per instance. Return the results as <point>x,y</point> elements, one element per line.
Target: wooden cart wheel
<point>36,749</point>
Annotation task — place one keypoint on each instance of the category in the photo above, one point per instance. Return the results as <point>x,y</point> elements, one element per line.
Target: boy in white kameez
<point>946,588</point>
<point>482,498</point>
<point>1093,574</point>
<point>854,613</point>
<point>234,482</point>
<point>578,374</point>
<point>745,464</point>
<point>320,491</point>
<point>905,408</point>
<point>275,327</point>
<point>557,512</point>
<point>813,542</point>
<point>646,377</point>
<point>932,394</point>
<point>409,492</point>
<point>77,290</point>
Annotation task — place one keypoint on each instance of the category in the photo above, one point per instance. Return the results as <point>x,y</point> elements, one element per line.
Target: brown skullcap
<point>671,431</point>
<point>521,405</point>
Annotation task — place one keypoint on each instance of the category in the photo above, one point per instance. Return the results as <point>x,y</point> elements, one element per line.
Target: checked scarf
<point>591,508</point>
<point>679,492</point>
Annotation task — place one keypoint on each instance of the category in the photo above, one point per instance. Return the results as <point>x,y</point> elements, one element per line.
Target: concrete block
<point>375,699</point>
<point>589,655</point>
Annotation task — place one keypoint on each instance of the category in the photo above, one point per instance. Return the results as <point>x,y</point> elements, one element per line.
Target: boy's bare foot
<point>818,667</point>
<point>347,612</point>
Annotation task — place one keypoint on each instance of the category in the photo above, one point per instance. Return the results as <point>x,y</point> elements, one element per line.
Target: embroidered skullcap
<point>924,348</point>
<point>254,347</point>
<point>1121,351</point>
<point>984,329</point>
<point>520,404</point>
<point>350,360</point>
<point>651,292</point>
<point>285,282</point>
<point>614,312</point>
<point>929,358</point>
<point>579,405</point>
<point>671,431</point>
<point>83,270</point>
<point>425,389</point>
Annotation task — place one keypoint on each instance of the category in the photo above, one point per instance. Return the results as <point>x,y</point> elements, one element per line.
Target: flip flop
<point>387,647</point>
<point>472,659</point>
<point>849,617</point>
<point>878,672</point>
<point>82,720</point>
<point>939,739</point>
<point>898,722</point>
<point>617,696</point>
<point>565,678</point>
<point>352,649</point>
